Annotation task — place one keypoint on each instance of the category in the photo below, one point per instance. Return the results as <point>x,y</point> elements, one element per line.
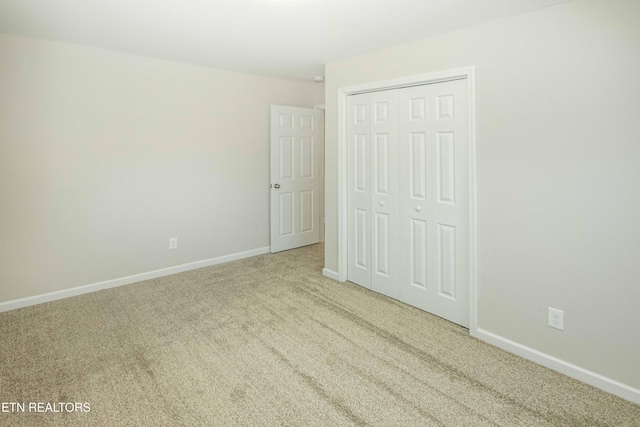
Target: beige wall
<point>104,156</point>
<point>558,113</point>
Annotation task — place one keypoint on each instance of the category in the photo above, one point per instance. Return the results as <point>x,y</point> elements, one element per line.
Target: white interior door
<point>434,199</point>
<point>296,176</point>
<point>359,192</point>
<point>408,196</point>
<point>373,199</point>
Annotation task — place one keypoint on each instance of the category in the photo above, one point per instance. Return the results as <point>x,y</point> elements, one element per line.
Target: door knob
<point>381,203</point>
<point>418,208</point>
<point>276,186</point>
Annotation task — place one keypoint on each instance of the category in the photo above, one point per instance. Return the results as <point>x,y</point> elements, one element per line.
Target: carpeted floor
<point>270,341</point>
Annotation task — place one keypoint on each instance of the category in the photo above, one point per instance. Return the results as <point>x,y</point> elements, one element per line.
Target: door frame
<point>467,73</point>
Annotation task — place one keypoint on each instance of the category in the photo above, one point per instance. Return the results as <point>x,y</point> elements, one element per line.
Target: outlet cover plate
<point>556,318</point>
<point>173,243</point>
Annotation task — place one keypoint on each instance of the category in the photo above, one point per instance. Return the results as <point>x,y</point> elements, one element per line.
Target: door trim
<point>467,73</point>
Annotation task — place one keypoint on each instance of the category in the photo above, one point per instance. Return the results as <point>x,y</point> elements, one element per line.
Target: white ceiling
<point>284,38</point>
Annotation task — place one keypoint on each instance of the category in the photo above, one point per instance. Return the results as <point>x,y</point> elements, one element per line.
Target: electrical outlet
<point>556,318</point>
<point>173,243</point>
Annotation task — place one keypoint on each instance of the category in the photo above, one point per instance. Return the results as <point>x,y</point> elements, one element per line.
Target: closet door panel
<point>434,199</point>
<point>359,192</point>
<point>385,196</point>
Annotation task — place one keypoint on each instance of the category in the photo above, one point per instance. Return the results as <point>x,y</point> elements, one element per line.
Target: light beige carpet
<point>270,341</point>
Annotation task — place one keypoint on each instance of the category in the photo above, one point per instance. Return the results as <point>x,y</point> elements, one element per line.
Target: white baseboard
<point>66,293</point>
<point>600,381</point>
<point>330,274</point>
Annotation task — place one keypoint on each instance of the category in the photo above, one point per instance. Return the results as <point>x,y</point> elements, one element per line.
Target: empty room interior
<point>305,212</point>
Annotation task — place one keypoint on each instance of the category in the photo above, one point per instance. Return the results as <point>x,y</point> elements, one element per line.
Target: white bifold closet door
<point>408,197</point>
<point>374,194</point>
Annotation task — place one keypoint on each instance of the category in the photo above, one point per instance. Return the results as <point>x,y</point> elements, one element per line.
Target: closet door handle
<point>381,203</point>
<point>418,208</point>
